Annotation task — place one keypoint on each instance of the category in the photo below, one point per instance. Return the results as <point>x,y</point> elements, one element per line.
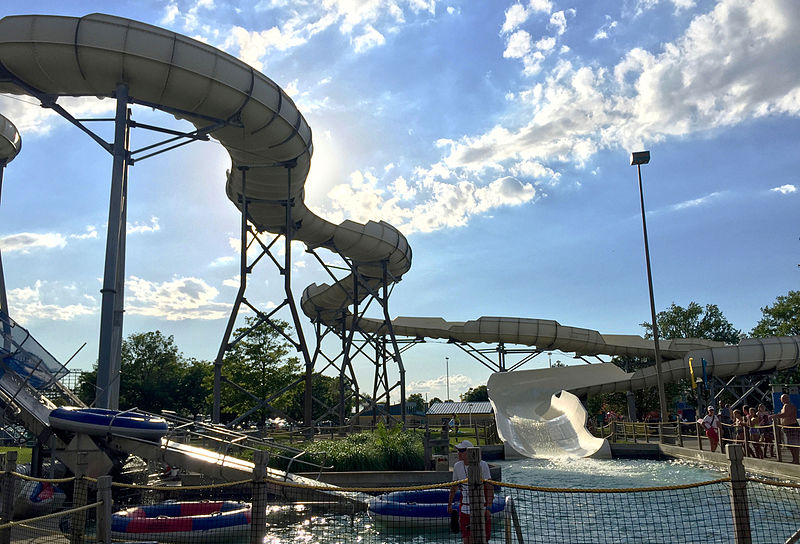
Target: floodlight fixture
<point>640,157</point>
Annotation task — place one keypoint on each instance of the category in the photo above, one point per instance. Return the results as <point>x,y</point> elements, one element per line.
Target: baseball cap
<point>464,445</point>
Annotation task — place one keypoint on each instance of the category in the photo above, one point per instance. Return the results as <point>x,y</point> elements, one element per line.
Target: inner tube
<point>99,421</point>
<point>203,521</point>
<point>422,509</point>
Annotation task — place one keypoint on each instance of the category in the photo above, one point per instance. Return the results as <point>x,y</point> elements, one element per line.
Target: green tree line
<point>155,375</point>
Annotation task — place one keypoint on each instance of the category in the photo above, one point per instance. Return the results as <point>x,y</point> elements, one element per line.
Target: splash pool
<point>681,515</point>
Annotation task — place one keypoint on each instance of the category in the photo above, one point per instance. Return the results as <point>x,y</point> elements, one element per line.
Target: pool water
<point>586,473</point>
<point>561,517</point>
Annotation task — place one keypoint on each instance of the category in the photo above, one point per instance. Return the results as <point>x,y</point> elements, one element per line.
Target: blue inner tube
<point>427,503</point>
<point>72,418</point>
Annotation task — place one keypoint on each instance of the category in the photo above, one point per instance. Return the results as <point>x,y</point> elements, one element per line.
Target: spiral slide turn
<point>91,55</point>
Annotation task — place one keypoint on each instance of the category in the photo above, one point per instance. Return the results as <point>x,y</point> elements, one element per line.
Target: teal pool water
<point>684,515</point>
<point>588,473</point>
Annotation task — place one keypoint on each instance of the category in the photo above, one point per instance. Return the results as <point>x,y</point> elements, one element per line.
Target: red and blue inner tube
<point>172,517</point>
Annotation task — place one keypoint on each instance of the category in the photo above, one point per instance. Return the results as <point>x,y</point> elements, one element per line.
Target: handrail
<point>511,518</point>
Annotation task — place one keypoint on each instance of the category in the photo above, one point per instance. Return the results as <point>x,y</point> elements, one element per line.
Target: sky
<point>495,135</point>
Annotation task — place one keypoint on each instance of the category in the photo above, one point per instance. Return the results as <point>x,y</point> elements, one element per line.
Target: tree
<point>477,394</point>
<point>260,368</point>
<point>694,321</point>
<point>780,319</point>
<point>325,390</point>
<point>434,400</point>
<point>150,369</point>
<point>415,402</point>
<point>154,376</point>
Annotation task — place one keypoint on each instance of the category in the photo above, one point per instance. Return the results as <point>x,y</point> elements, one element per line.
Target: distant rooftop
<point>460,408</point>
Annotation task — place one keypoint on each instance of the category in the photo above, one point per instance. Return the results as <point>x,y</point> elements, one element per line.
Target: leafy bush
<point>383,449</point>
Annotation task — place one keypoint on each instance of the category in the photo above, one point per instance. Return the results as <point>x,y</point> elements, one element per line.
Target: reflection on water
<point>550,517</point>
<point>588,473</point>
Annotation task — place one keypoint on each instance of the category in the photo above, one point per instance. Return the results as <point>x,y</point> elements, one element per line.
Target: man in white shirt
<point>460,473</point>
<point>711,424</point>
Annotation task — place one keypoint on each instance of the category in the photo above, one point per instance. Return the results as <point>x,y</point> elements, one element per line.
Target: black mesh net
<point>292,512</point>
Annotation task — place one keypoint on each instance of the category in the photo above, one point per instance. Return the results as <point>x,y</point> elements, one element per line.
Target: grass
<point>23,454</point>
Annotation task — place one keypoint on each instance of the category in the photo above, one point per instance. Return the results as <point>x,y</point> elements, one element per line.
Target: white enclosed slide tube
<point>258,124</point>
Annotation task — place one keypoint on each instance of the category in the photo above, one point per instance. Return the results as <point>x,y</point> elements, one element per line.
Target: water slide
<point>89,56</point>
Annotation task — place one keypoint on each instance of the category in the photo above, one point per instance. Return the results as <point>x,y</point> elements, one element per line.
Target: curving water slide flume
<point>91,55</point>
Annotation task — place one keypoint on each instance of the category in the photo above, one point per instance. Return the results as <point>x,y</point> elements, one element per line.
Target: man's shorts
<point>463,520</point>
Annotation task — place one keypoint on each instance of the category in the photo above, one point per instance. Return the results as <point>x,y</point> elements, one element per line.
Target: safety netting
<point>699,512</point>
<point>21,353</point>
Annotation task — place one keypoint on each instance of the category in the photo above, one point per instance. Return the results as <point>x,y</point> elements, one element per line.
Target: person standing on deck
<point>464,508</point>
<point>711,424</point>
<point>788,419</point>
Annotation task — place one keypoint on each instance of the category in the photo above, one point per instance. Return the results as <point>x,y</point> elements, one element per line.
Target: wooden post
<point>739,508</point>
<point>258,514</point>
<point>660,433</point>
<point>104,510</point>
<point>746,432</point>
<point>776,433</point>
<point>679,429</point>
<point>613,431</point>
<point>477,524</point>
<point>633,424</point>
<point>9,490</point>
<point>77,522</point>
<point>699,436</point>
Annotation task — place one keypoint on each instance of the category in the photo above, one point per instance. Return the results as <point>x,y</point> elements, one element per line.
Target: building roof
<point>460,408</point>
<point>394,410</point>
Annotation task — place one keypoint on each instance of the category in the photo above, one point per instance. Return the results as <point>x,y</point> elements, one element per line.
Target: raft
<point>419,509</point>
<point>205,521</point>
<point>99,421</point>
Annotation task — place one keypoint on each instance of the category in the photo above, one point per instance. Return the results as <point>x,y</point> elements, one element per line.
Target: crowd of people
<point>752,427</point>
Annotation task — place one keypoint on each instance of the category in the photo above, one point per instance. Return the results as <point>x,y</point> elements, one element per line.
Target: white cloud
<point>437,387</point>
<point>696,202</point>
<point>546,44</point>
<point>234,282</point>
<point>735,63</point>
<point>785,189</point>
<point>369,39</point>
<point>519,45</point>
<point>558,20</point>
<point>90,234</point>
<point>545,6</point>
<point>604,31</point>
<point>32,120</point>
<point>435,198</point>
<point>138,228</point>
<point>515,16</point>
<point>222,261</point>
<point>44,301</point>
<point>25,242</point>
<point>171,12</point>
<point>174,300</point>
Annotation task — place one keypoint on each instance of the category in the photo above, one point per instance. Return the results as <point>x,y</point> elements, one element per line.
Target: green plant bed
<point>382,449</point>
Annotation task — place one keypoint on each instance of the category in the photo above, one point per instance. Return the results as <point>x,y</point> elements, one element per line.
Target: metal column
<point>108,360</point>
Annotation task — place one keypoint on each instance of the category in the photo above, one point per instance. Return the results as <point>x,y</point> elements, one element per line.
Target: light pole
<point>639,158</point>
<point>447,371</point>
